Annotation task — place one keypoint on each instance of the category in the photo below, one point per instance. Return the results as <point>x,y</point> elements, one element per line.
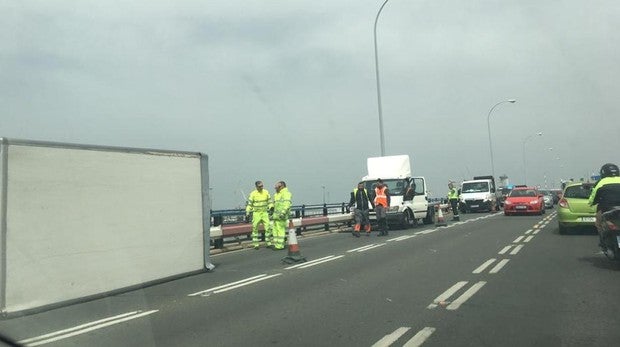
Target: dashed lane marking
<point>465,296</point>
<point>482,267</point>
<point>528,239</point>
<point>528,231</point>
<point>420,337</point>
<point>365,248</point>
<point>536,232</point>
<point>391,338</point>
<point>234,285</point>
<point>401,238</point>
<point>499,266</point>
<point>445,295</point>
<point>516,250</point>
<point>306,265</point>
<point>505,249</point>
<point>518,239</point>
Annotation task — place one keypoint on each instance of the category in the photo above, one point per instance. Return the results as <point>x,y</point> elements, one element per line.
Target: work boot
<point>356,233</point>
<point>256,247</point>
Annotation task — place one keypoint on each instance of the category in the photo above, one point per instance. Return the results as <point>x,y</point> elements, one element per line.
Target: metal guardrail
<point>231,222</point>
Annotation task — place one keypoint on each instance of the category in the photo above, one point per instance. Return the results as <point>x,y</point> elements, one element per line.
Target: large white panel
<point>82,222</point>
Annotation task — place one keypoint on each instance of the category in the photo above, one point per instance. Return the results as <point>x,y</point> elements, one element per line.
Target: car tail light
<point>612,226</point>
<point>563,203</point>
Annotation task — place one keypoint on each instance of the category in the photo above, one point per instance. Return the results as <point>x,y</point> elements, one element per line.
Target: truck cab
<point>408,195</point>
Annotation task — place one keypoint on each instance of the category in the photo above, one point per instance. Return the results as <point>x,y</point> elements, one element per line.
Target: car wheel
<point>430,217</point>
<point>408,220</point>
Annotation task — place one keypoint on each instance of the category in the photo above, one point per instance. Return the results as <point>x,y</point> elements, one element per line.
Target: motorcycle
<point>610,223</point>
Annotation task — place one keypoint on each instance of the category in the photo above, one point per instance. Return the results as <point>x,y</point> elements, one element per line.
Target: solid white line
<point>465,296</point>
<point>371,247</point>
<point>528,239</point>
<point>360,248</point>
<point>402,238</point>
<point>536,232</point>
<point>391,338</point>
<point>89,329</point>
<point>486,264</point>
<point>86,325</point>
<point>529,231</point>
<point>516,250</point>
<point>420,337</point>
<point>518,239</point>
<point>310,262</point>
<point>320,262</point>
<point>448,293</point>
<point>226,285</point>
<point>245,284</point>
<point>505,249</point>
<point>499,266</point>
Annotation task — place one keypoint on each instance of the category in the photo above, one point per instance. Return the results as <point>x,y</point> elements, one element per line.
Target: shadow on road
<point>602,262</point>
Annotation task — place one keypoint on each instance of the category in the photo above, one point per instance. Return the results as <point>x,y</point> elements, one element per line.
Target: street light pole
<point>512,101</point>
<point>524,166</point>
<point>381,138</point>
<point>323,194</point>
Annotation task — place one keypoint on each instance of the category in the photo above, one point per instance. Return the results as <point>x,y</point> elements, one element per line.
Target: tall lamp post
<point>512,101</point>
<point>524,166</point>
<point>381,138</point>
<point>323,194</point>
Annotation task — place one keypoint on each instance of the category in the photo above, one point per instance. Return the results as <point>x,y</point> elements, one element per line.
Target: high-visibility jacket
<point>606,193</point>
<point>453,194</point>
<point>361,200</point>
<point>381,197</point>
<point>282,202</point>
<point>258,201</point>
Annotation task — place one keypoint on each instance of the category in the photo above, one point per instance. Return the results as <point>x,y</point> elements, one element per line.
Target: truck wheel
<point>430,216</point>
<point>408,220</point>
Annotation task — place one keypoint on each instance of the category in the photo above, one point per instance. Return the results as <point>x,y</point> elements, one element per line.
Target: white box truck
<point>478,194</point>
<point>409,202</point>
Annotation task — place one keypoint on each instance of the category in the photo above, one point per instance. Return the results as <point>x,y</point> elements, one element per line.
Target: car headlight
<point>393,209</point>
<point>533,202</point>
<point>507,202</point>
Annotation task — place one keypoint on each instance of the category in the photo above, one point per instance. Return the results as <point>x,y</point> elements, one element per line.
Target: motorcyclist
<point>605,194</point>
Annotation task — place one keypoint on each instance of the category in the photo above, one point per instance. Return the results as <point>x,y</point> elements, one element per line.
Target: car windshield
<point>578,192</point>
<point>395,187</point>
<point>523,192</point>
<point>475,187</point>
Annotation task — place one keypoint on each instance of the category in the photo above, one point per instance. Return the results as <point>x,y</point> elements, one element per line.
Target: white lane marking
<point>529,231</point>
<point>320,262</point>
<point>536,232</point>
<point>360,248</point>
<point>245,284</point>
<point>528,239</point>
<point>465,296</point>
<point>486,264</point>
<point>371,247</point>
<point>401,238</point>
<point>226,285</point>
<point>499,266</point>
<point>84,328</point>
<point>505,249</point>
<point>516,250</point>
<point>391,338</point>
<point>426,231</point>
<point>310,262</point>
<point>518,239</point>
<point>448,293</point>
<point>420,337</point>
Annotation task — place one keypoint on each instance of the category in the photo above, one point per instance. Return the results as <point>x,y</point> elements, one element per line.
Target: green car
<point>573,208</point>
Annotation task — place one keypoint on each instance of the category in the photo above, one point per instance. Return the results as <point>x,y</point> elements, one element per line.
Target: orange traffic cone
<point>294,255</point>
<point>441,221</point>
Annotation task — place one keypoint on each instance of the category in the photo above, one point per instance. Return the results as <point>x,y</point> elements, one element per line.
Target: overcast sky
<point>286,89</point>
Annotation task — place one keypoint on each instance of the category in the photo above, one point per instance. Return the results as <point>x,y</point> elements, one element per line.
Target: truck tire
<point>430,216</point>
<point>408,220</point>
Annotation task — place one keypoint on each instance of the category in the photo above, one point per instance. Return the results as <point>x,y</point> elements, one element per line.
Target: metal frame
<point>3,196</point>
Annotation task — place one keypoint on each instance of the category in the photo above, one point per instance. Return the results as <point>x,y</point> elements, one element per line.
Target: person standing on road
<point>453,198</point>
<point>382,203</point>
<point>361,203</point>
<point>257,210</point>
<point>282,201</point>
<point>605,194</point>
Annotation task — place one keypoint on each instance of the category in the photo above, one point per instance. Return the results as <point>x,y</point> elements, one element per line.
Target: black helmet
<point>609,170</point>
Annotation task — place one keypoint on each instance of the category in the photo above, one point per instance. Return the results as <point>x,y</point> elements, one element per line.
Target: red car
<point>526,200</point>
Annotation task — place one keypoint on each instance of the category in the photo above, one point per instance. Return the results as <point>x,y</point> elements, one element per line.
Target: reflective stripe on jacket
<point>282,202</point>
<point>381,197</point>
<point>453,194</point>
<point>361,203</point>
<point>258,201</point>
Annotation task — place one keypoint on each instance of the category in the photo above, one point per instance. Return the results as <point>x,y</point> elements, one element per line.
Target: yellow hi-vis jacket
<point>282,202</point>
<point>453,194</point>
<point>258,201</point>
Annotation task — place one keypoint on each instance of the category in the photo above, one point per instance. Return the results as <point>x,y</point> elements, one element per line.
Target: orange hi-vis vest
<point>380,197</point>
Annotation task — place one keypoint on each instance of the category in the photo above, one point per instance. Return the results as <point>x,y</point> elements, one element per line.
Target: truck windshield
<point>475,187</point>
<point>395,187</point>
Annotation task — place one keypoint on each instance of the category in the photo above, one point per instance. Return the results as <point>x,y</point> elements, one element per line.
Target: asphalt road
<point>489,280</point>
